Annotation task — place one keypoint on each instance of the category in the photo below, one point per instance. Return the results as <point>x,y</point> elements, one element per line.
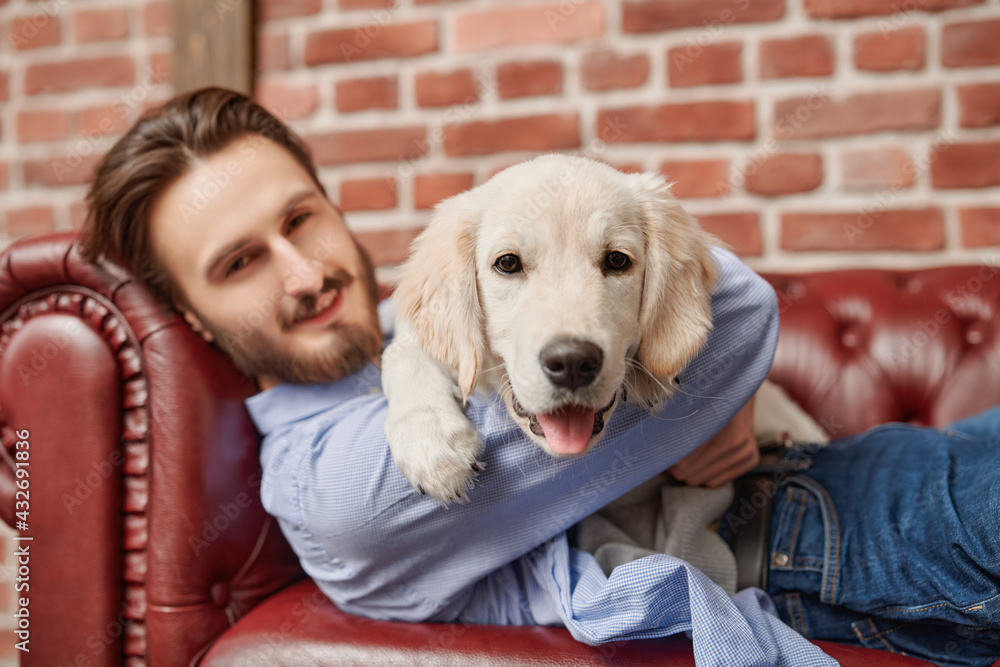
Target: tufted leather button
<point>219,593</point>
<point>851,336</point>
<point>975,333</point>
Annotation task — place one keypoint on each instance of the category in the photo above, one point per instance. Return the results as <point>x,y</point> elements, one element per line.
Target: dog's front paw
<point>436,451</point>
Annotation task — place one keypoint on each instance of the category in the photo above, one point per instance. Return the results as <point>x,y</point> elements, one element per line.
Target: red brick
<point>287,101</point>
<point>156,19</point>
<point>34,32</point>
<point>370,42</point>
<point>381,92</point>
<point>534,133</point>
<point>31,221</point>
<point>784,174</point>
<point>967,166</point>
<point>101,25</point>
<point>387,248</point>
<point>42,125</point>
<point>378,145</point>
<point>529,24</point>
<point>842,9</point>
<point>526,79</point>
<point>605,70</point>
<point>693,121</point>
<point>659,15</point>
<point>741,231</point>
<point>696,65</point>
<point>271,10</point>
<point>79,74</point>
<point>813,117</point>
<point>71,168</point>
<point>980,104</point>
<point>809,55</point>
<point>445,89</point>
<point>876,169</point>
<point>980,227</point>
<point>429,189</point>
<point>872,228</point>
<point>972,44</point>
<point>272,50</point>
<point>4,86</point>
<point>368,194</point>
<point>887,51</point>
<point>161,62</point>
<point>697,178</point>
<point>103,121</point>
<point>365,4</point>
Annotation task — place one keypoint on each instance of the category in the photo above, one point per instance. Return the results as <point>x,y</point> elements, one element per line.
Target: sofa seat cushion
<point>300,626</point>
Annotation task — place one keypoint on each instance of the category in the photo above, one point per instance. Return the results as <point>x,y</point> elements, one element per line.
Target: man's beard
<point>354,345</point>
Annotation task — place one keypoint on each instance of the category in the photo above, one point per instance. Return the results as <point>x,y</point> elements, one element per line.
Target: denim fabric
<point>891,540</point>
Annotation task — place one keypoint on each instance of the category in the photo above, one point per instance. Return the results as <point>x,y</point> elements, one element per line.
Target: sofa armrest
<point>150,539</point>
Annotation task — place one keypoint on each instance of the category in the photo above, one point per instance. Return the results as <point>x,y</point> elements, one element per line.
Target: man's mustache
<point>307,303</point>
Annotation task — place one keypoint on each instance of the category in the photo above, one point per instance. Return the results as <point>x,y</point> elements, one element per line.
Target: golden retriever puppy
<point>561,283</point>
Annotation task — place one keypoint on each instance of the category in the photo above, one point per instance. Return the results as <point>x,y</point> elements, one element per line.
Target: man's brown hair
<point>160,148</point>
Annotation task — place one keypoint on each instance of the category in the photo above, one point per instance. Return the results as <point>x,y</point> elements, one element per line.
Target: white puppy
<point>563,284</point>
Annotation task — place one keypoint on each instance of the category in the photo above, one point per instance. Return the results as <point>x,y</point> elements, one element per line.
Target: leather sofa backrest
<point>863,347</point>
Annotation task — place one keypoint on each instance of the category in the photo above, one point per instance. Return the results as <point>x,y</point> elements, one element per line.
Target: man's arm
<point>728,454</point>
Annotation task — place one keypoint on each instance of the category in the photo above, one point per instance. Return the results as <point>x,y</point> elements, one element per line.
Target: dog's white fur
<point>466,326</point>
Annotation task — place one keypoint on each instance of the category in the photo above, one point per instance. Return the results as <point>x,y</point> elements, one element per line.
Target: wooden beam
<point>213,44</point>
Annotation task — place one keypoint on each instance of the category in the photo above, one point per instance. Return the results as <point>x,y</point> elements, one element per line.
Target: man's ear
<point>676,311</point>
<point>438,293</point>
<point>196,324</point>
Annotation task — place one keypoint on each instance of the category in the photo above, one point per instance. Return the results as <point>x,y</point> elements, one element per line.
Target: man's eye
<point>617,262</point>
<point>508,263</point>
<point>299,220</point>
<point>239,264</point>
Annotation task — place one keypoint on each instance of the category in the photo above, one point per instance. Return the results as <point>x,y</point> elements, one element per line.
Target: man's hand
<point>730,453</point>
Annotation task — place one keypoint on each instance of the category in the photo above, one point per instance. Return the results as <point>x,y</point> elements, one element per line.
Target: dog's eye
<point>508,263</point>
<point>617,261</point>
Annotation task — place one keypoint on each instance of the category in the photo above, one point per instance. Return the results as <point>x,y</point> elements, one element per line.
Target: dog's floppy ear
<point>438,293</point>
<point>676,310</point>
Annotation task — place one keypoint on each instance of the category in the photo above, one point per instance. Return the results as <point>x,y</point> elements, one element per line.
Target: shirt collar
<point>287,403</point>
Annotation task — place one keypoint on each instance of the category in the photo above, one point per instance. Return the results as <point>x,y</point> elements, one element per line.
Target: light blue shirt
<point>379,549</point>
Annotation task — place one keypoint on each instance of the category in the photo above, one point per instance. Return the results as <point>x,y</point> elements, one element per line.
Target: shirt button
<point>780,560</point>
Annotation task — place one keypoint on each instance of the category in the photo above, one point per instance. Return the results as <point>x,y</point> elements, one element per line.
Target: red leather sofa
<point>149,542</point>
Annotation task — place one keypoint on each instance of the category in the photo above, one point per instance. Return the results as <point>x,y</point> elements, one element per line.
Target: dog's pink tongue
<point>569,430</point>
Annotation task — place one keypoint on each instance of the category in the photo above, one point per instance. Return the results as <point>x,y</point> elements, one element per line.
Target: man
<point>217,208</point>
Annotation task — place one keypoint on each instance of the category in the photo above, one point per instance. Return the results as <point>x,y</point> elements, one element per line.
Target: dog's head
<point>567,285</point>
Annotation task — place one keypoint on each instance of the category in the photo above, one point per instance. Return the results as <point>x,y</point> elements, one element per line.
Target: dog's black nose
<point>571,363</point>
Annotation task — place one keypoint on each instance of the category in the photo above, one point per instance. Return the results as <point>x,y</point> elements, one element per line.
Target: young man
<point>217,208</point>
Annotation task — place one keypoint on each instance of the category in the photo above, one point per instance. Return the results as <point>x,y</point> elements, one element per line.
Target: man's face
<point>267,266</point>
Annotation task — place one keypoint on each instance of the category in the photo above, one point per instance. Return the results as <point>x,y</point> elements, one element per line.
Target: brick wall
<point>806,133</point>
<point>73,77</point>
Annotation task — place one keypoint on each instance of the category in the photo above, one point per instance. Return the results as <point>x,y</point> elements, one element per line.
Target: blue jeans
<point>891,540</point>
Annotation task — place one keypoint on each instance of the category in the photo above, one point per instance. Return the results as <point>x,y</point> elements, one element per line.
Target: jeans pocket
<point>805,541</point>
